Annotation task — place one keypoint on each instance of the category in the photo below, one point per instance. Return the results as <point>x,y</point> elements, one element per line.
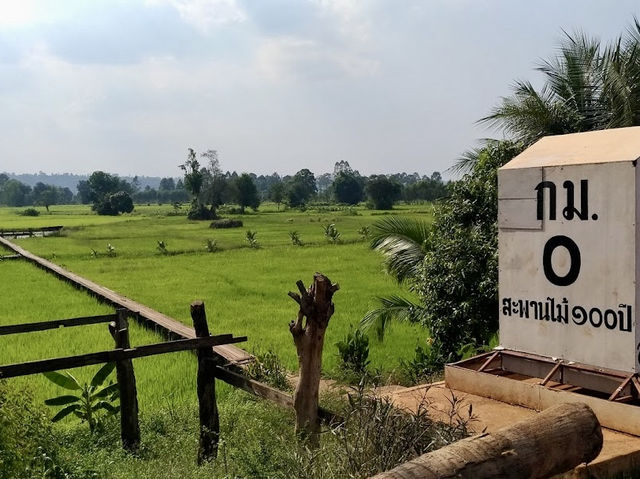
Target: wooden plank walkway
<point>172,327</point>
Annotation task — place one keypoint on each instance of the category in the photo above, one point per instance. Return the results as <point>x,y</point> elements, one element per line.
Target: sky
<point>272,85</point>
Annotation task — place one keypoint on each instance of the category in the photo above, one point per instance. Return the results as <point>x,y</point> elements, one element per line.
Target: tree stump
<point>554,441</point>
<point>316,306</point>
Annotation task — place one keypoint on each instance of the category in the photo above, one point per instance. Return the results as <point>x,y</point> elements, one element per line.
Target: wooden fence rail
<point>123,354</point>
<point>56,323</point>
<point>70,362</point>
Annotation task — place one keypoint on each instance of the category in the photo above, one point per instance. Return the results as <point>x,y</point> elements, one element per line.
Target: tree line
<point>206,183</point>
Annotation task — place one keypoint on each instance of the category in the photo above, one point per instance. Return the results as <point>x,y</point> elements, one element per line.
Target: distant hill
<point>71,180</point>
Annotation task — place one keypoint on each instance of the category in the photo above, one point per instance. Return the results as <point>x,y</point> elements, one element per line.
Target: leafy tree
<point>383,192</point>
<point>114,204</point>
<point>348,187</point>
<point>427,189</point>
<point>84,192</point>
<point>102,184</point>
<point>15,193</point>
<point>65,196</point>
<point>452,264</point>
<point>100,187</point>
<point>246,193</point>
<point>45,195</point>
<point>167,184</point>
<point>342,166</point>
<point>276,193</point>
<point>193,177</point>
<point>193,181</point>
<point>300,188</point>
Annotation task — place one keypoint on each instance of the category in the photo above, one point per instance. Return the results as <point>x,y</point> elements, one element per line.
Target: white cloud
<point>292,58</point>
<point>351,15</point>
<point>206,14</point>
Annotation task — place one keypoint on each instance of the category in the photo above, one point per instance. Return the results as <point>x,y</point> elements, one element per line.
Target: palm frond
<point>402,241</point>
<point>466,161</point>
<point>391,308</point>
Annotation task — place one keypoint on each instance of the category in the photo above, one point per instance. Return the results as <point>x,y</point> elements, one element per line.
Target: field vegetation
<point>244,290</point>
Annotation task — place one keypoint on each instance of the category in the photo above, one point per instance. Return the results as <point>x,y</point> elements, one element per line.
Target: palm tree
<point>403,243</point>
<point>587,87</point>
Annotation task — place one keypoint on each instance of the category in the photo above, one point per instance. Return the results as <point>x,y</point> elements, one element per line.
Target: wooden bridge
<point>171,327</point>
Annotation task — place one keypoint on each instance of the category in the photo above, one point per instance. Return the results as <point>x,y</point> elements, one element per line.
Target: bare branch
<point>301,287</point>
<point>295,297</point>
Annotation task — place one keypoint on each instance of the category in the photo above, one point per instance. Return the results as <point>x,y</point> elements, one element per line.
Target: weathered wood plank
<point>143,313</point>
<point>70,362</point>
<point>56,323</point>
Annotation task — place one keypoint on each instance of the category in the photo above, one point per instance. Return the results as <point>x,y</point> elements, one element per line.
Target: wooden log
<point>129,425</point>
<point>56,323</point>
<point>552,442</point>
<point>209,420</point>
<point>70,362</point>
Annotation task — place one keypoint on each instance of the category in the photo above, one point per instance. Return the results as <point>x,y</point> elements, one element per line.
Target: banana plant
<point>91,402</point>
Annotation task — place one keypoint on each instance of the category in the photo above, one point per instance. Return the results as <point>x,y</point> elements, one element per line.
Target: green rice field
<point>245,293</point>
<point>244,289</point>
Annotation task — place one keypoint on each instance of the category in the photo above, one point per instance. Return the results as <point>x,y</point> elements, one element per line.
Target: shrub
<point>268,368</point>
<point>364,233</point>
<point>458,283</point>
<point>226,223</point>
<point>426,363</point>
<point>29,212</point>
<point>114,204</point>
<point>331,233</point>
<point>375,436</point>
<point>295,238</point>
<point>211,245</point>
<point>25,431</point>
<point>111,251</point>
<point>354,354</point>
<point>251,237</point>
<point>162,247</point>
<point>199,211</point>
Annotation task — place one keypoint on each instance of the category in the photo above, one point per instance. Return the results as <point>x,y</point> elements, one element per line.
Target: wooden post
<point>552,442</point>
<point>130,428</point>
<point>316,306</point>
<point>209,420</point>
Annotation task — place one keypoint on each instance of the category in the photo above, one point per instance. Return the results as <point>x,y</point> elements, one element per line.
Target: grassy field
<point>244,289</point>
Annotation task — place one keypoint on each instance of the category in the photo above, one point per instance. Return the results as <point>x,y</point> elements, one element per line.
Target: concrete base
<point>528,393</point>
<point>620,452</point>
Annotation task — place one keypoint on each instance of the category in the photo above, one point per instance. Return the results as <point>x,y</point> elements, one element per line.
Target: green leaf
<point>65,412</point>
<point>102,374</point>
<point>107,391</point>
<point>107,406</point>
<point>66,381</point>
<point>62,400</point>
